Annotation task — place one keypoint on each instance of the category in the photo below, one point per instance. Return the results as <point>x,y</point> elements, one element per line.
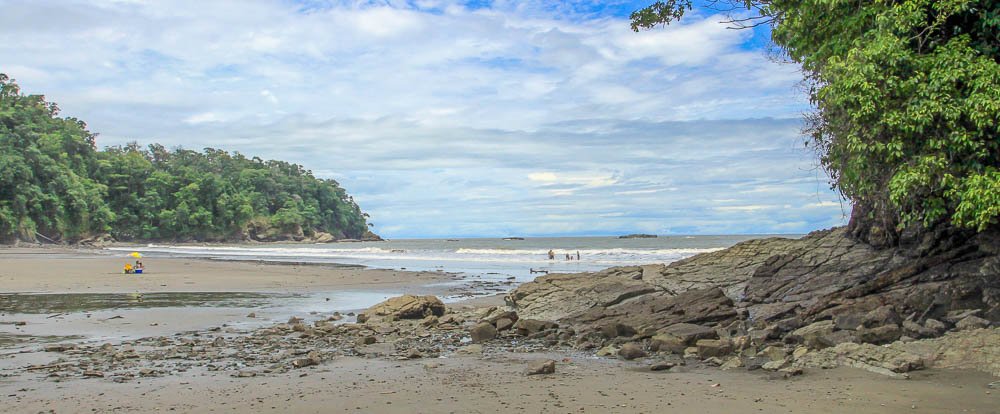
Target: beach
<point>200,351</point>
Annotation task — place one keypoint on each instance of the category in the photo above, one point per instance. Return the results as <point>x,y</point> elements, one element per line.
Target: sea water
<point>485,258</point>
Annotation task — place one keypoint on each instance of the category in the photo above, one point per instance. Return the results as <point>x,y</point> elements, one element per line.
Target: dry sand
<point>64,270</point>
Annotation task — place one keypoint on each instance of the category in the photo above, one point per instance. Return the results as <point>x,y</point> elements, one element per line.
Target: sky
<point>447,118</point>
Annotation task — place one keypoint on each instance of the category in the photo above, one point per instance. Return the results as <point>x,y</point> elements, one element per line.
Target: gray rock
<point>884,315</point>
<point>879,335</point>
<point>972,322</point>
<point>661,366</point>
<point>483,332</point>
<point>504,324</point>
<point>631,351</point>
<point>708,348</point>
<point>541,367</point>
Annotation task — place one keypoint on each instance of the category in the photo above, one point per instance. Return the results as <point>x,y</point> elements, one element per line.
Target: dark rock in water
<point>638,236</point>
<point>483,332</point>
<point>541,367</point>
<point>631,351</point>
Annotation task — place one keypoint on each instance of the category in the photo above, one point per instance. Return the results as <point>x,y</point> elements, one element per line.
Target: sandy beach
<point>66,270</point>
<point>356,381</point>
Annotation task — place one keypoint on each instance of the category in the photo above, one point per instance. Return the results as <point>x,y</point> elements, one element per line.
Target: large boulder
<point>407,307</point>
<point>483,332</point>
<point>526,327</point>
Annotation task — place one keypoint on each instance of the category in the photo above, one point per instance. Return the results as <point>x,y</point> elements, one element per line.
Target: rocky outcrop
<point>827,290</point>
<point>406,307</point>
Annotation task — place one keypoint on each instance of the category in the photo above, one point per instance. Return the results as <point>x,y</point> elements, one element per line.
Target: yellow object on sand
<point>136,255</point>
<point>128,268</point>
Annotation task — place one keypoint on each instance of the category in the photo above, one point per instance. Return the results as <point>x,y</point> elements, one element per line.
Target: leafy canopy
<point>55,184</point>
<point>907,98</point>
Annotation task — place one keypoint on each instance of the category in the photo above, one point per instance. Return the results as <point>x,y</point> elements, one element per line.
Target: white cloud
<point>444,119</point>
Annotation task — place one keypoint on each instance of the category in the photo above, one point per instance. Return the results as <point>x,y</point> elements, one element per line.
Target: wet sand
<point>65,270</point>
<point>468,384</point>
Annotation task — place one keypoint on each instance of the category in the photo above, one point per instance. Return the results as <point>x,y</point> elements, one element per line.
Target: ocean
<point>480,258</point>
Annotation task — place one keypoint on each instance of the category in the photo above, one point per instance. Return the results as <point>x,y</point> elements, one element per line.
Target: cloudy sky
<point>449,118</point>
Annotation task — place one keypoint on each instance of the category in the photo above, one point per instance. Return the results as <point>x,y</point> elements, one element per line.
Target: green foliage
<point>907,97</point>
<point>53,182</point>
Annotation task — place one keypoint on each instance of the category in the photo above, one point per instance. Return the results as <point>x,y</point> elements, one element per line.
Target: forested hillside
<point>55,184</point>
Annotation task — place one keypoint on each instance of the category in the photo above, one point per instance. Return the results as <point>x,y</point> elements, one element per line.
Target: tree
<point>907,102</point>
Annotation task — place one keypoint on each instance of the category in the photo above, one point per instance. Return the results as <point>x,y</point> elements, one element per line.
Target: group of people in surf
<point>552,255</point>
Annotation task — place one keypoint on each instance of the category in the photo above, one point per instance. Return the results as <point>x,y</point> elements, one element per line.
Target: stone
<point>690,333</point>
<point>474,349</point>
<point>661,366</point>
<point>414,354</point>
<point>614,330</point>
<point>774,353</point>
<point>631,351</point>
<point>667,343</point>
<point>251,315</point>
<point>714,361</point>
<point>938,326</point>
<point>884,315</point>
<point>525,327</point>
<point>713,348</point>
<point>408,307</point>
<point>429,321</point>
<point>59,347</point>
<point>791,371</point>
<point>972,322</point>
<point>541,367</point>
<point>691,352</point>
<point>732,363</point>
<point>483,332</point>
<point>879,335</point>
<point>916,330</point>
<point>503,324</point>
<point>362,318</point>
<point>93,374</point>
<point>799,352</point>
<point>303,362</point>
<point>219,342</point>
<point>607,351</point>
<point>814,335</point>
<point>774,365</point>
<point>367,340</point>
<point>294,320</point>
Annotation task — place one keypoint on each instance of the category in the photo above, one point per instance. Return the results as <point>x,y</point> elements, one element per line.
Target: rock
<point>607,351</point>
<point>294,320</point>
<point>689,333</point>
<point>614,330</point>
<point>713,348</point>
<point>774,353</point>
<point>714,361</point>
<point>691,352</point>
<point>414,354</point>
<point>504,324</point>
<point>303,362</point>
<point>791,371</point>
<point>631,351</point>
<point>541,367</point>
<point>246,374</point>
<point>799,352</point>
<point>429,321</point>
<point>774,365</point>
<point>219,342</point>
<point>59,347</point>
<point>732,363</point>
<point>815,335</point>
<point>408,307</point>
<point>483,332</point>
<point>525,327</point>
<point>884,315</point>
<point>323,237</point>
<point>972,322</point>
<point>20,323</point>
<point>879,335</point>
<point>938,326</point>
<point>474,349</point>
<point>93,374</point>
<point>367,340</point>
<point>362,318</point>
<point>915,330</point>
<point>661,366</point>
<point>251,315</point>
<point>668,343</point>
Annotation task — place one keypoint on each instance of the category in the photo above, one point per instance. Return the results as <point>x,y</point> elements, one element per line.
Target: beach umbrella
<point>136,255</point>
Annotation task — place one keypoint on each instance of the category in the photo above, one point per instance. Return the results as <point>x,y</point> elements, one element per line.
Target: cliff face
<point>776,286</point>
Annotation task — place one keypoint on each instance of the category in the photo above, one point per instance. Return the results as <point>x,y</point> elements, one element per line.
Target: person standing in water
<point>552,255</point>
<point>577,255</point>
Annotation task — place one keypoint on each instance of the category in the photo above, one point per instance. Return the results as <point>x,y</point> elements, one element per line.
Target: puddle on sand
<point>54,303</point>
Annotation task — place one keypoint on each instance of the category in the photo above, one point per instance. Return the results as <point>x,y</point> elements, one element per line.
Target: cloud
<point>446,118</point>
